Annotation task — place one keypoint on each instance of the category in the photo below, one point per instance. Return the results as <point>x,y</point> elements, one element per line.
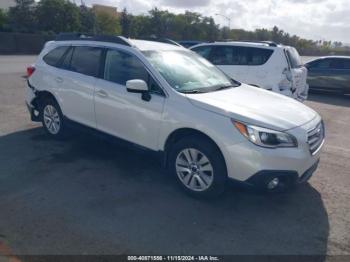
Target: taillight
<point>30,70</point>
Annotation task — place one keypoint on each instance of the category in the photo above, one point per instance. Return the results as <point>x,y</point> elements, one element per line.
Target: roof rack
<point>161,40</point>
<point>270,43</point>
<point>101,38</point>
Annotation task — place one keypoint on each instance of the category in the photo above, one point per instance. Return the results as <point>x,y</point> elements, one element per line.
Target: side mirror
<point>138,86</point>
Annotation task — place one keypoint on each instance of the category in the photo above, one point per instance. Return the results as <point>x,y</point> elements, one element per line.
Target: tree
<point>58,16</point>
<point>22,16</point>
<point>87,20</point>
<point>3,19</point>
<point>125,22</point>
<point>107,23</point>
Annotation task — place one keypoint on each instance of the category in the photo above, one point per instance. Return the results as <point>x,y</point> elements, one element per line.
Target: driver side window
<point>121,67</point>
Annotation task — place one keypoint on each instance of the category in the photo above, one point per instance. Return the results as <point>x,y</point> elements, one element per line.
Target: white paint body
<point>149,123</point>
<point>268,75</point>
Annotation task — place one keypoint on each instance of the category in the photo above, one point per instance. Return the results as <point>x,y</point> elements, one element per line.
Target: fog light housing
<point>274,183</point>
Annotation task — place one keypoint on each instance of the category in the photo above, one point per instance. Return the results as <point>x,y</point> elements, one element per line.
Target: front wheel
<point>198,166</point>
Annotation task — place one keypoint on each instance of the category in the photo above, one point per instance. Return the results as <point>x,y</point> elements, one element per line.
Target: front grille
<point>315,137</point>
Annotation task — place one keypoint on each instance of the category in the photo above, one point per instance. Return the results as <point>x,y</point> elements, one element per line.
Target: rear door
<point>79,70</point>
<point>319,73</point>
<point>340,74</point>
<point>346,75</point>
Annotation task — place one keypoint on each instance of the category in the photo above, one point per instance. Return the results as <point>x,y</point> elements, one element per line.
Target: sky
<point>311,19</point>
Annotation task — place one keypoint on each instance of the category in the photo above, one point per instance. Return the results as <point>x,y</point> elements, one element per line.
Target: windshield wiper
<point>195,91</point>
<point>223,87</point>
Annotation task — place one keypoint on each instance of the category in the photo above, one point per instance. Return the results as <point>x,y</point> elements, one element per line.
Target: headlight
<point>265,137</point>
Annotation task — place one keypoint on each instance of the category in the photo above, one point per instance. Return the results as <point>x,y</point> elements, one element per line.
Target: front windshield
<point>188,72</point>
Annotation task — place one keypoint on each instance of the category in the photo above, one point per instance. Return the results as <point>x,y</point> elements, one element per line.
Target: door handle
<point>59,79</point>
<point>102,93</point>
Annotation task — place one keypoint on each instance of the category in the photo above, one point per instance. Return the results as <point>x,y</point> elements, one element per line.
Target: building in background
<point>111,10</point>
<point>6,4</point>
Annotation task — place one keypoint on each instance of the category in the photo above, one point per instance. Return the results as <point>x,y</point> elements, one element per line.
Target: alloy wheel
<point>194,169</point>
<point>52,119</point>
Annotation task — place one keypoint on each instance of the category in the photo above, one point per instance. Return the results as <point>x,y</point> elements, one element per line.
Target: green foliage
<point>3,19</point>
<point>125,23</point>
<point>22,17</point>
<point>87,20</point>
<point>107,24</point>
<point>58,16</point>
<point>54,16</point>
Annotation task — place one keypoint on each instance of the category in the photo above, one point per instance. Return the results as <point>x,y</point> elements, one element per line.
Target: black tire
<point>61,130</point>
<point>213,154</point>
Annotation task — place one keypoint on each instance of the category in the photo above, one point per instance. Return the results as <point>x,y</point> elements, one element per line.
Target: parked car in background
<point>189,43</point>
<point>161,97</point>
<point>330,73</point>
<point>263,64</point>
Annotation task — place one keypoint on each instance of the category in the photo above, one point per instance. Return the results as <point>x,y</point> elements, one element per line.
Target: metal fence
<point>20,43</point>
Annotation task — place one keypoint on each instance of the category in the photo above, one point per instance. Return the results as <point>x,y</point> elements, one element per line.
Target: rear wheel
<point>198,166</point>
<point>52,118</point>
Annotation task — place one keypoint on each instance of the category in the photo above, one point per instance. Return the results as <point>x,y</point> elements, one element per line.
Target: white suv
<point>168,99</point>
<point>263,64</point>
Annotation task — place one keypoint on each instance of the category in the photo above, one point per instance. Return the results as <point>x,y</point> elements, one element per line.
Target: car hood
<point>255,106</point>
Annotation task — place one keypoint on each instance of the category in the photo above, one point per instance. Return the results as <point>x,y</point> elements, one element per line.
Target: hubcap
<point>194,169</point>
<point>52,119</point>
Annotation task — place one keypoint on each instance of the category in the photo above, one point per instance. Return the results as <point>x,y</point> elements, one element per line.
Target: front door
<point>124,114</point>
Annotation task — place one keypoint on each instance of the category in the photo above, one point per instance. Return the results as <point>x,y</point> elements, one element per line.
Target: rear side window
<point>65,63</point>
<point>86,60</point>
<point>222,55</point>
<point>254,56</point>
<point>54,56</point>
<point>239,55</point>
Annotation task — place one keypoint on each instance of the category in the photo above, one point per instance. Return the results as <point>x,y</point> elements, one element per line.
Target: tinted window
<point>65,64</point>
<point>337,64</point>
<point>221,55</point>
<point>236,55</point>
<point>321,64</point>
<point>203,51</point>
<point>54,56</point>
<point>294,58</point>
<point>121,67</point>
<point>86,60</point>
<point>346,63</point>
<point>253,56</point>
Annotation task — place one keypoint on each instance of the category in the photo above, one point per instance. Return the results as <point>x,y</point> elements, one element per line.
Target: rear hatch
<point>298,71</point>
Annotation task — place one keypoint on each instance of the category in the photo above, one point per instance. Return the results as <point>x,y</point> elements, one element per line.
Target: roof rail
<point>161,40</point>
<point>270,43</point>
<point>101,38</point>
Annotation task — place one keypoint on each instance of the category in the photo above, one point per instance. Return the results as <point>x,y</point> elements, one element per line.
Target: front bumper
<point>247,162</point>
<point>291,178</point>
<point>34,114</point>
<point>31,103</point>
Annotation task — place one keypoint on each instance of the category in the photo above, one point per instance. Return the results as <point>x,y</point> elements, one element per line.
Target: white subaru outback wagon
<point>208,128</point>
